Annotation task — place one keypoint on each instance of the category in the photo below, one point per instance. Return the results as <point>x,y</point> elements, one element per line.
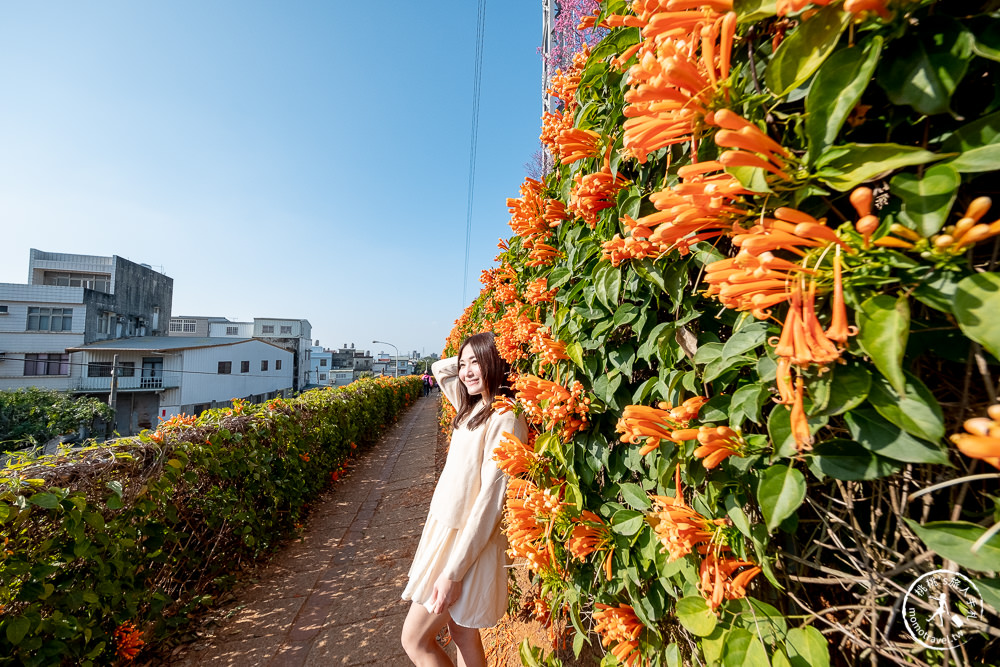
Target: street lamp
<point>382,342</point>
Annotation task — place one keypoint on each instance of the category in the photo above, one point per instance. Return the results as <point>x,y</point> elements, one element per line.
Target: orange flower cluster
<point>749,145</point>
<point>592,193</point>
<point>715,444</point>
<point>576,144</point>
<point>621,627</point>
<point>671,86</point>
<point>641,422</point>
<point>550,349</point>
<point>716,580</point>
<point>880,7</point>
<point>590,534</point>
<point>982,437</point>
<point>680,528</point>
<point>549,403</point>
<point>953,239</point>
<point>514,331</point>
<point>563,87</point>
<point>529,514</point>
<point>527,213</point>
<point>537,293</point>
<point>128,641</point>
<point>515,457</point>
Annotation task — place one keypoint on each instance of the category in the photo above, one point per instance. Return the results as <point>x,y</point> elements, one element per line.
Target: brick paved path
<point>333,597</point>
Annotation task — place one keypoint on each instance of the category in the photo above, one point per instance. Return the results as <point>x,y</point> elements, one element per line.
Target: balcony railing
<point>135,383</point>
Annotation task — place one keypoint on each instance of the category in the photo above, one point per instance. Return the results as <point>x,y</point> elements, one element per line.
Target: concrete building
<point>321,367</point>
<point>72,300</point>
<point>292,335</point>
<point>159,377</point>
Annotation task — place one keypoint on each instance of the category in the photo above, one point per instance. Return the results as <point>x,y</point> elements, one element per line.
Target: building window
<point>183,326</point>
<point>3,310</point>
<point>263,364</point>
<point>46,364</point>
<point>244,367</point>
<point>277,364</point>
<point>50,319</point>
<point>284,329</point>
<point>126,369</point>
<point>232,331</point>
<point>95,281</point>
<point>322,377</point>
<point>225,367</point>
<point>322,362</point>
<point>102,369</point>
<point>267,328</point>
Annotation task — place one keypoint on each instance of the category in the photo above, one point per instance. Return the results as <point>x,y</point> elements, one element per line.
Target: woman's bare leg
<point>420,637</point>
<point>469,645</point>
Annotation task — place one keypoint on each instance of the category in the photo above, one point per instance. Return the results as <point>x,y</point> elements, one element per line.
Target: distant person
<point>427,385</point>
<point>458,575</point>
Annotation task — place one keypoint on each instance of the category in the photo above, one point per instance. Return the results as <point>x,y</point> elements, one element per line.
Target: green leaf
<point>883,327</point>
<point>627,522</point>
<point>607,286</point>
<point>751,11</point>
<point>927,200</point>
<point>743,649</point>
<point>916,411</point>
<point>748,338</point>
<point>780,492</point>
<point>979,145</point>
<point>779,429</point>
<point>802,52</point>
<point>849,460</point>
<point>976,307</point>
<point>840,389</point>
<point>925,66</point>
<point>763,620</point>
<point>885,439</point>
<point>846,166</point>
<point>46,500</point>
<point>634,496</point>
<point>575,352</point>
<point>954,539</point>
<point>807,647</point>
<point>747,403</point>
<point>693,613</point>
<point>835,92</point>
<point>17,628</point>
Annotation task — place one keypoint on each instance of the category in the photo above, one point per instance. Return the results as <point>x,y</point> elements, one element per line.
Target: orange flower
<point>515,457</point>
<point>716,580</point>
<point>128,641</point>
<point>536,292</point>
<point>640,423</point>
<point>529,514</point>
<point>576,144</point>
<point>550,349</point>
<point>716,444</point>
<point>621,627</point>
<point>593,193</point>
<point>678,527</point>
<point>590,534</point>
<point>551,404</point>
<point>982,437</point>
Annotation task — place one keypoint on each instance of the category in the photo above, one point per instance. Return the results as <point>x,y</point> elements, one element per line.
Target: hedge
<point>109,548</point>
<point>752,312</point>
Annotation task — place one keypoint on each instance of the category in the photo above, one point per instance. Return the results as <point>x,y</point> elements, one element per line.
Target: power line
<point>476,85</point>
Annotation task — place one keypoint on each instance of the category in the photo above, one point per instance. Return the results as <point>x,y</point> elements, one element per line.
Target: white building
<point>164,376</point>
<point>70,300</point>
<point>292,335</point>
<point>321,367</point>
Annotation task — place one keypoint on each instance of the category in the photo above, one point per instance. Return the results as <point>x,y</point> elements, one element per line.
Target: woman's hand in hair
<point>446,592</point>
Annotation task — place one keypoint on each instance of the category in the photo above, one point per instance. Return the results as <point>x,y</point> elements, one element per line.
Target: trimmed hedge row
<point>110,547</point>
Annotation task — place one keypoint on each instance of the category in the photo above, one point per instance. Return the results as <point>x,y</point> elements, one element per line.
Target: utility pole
<point>549,12</point>
<point>113,396</point>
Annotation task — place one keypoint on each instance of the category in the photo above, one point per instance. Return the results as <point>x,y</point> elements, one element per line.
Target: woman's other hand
<point>446,592</point>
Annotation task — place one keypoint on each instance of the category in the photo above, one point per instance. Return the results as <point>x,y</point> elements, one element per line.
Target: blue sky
<point>301,159</point>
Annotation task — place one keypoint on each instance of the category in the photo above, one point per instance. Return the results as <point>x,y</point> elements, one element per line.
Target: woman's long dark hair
<point>493,370</point>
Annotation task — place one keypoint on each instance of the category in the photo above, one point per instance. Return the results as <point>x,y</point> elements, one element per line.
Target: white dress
<point>462,537</point>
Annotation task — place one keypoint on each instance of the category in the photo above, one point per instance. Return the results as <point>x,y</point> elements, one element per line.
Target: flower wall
<point>753,321</point>
<point>108,549</point>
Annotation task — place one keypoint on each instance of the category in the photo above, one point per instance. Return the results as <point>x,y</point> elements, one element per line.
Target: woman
<point>458,577</point>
